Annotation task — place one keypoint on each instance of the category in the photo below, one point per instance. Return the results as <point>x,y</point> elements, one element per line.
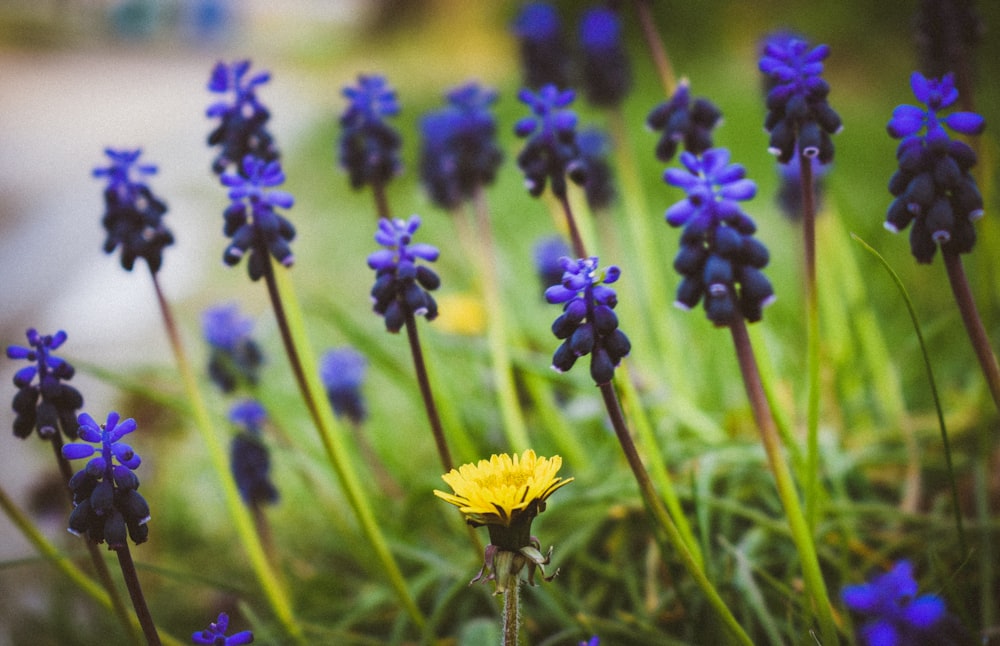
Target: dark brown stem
<point>138,599</point>
<point>425,392</point>
<point>381,201</point>
<point>656,48</point>
<point>574,232</point>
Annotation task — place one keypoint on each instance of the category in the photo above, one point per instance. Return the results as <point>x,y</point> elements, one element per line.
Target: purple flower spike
<point>551,151</point>
<point>249,456</point>
<point>242,117</point>
<point>607,76</point>
<point>216,634</point>
<point>234,356</point>
<point>369,147</point>
<point>683,120</point>
<point>342,372</point>
<point>43,402</point>
<point>544,53</point>
<point>402,287</point>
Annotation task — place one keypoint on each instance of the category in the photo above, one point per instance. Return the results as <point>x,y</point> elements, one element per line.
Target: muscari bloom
<point>551,151</point>
<point>49,404</point>
<point>216,634</point>
<point>798,113</point>
<point>683,120</point>
<point>250,219</point>
<point>598,188</point>
<point>719,258</point>
<point>249,457</point>
<point>895,615</point>
<point>459,151</point>
<point>933,187</point>
<point>607,76</point>
<point>544,54</point>
<point>342,372</point>
<point>369,147</point>
<point>234,355</point>
<point>548,252</point>
<point>133,216</point>
<point>505,494</point>
<point>789,196</point>
<point>402,287</point>
<point>242,117</point>
<point>588,324</point>
<point>106,505</point>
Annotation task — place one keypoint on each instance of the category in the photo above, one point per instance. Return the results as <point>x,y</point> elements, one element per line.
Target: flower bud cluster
<point>402,287</point>
<point>551,151</point>
<point>249,457</point>
<point>544,52</point>
<point>683,120</point>
<point>48,405</point>
<point>242,118</point>
<point>606,74</point>
<point>342,372</point>
<point>369,147</point>
<point>235,357</point>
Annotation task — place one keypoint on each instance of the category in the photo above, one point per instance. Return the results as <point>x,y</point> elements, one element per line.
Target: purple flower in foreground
<point>216,634</point>
<point>402,287</point>
<point>369,147</point>
<point>242,118</point>
<point>59,401</point>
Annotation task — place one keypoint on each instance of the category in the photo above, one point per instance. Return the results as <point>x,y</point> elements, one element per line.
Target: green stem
<point>662,517</point>
<point>656,48</point>
<point>511,619</point>
<point>138,599</point>
<point>812,480</point>
<point>801,535</point>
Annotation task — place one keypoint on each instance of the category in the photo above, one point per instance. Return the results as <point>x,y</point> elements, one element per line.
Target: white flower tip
<point>682,306</point>
<point>975,215</point>
<point>768,301</point>
<point>890,227</point>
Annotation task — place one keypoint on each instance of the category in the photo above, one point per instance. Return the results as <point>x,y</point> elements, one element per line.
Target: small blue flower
<point>895,615</point>
<point>59,401</point>
<point>342,372</point>
<point>933,187</point>
<point>248,414</point>
<point>544,54</point>
<point>588,324</point>
<point>593,641</point>
<point>548,252</point>
<point>607,76</point>
<point>234,355</point>
<point>133,216</point>
<point>242,117</point>
<point>249,457</point>
<point>251,220</point>
<point>369,147</point>
<point>681,120</point>
<point>798,112</point>
<point>401,285</point>
<point>551,151</point>
<point>216,634</point>
<point>107,506</point>
<point>719,258</point>
<point>459,151</point>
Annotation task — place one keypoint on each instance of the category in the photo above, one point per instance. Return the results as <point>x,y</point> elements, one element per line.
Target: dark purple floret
<point>798,112</point>
<point>933,187</point>
<point>342,372</point>
<point>106,505</point>
<point>133,216</point>
<point>683,120</point>
<point>607,76</point>
<point>548,252</point>
<point>588,324</point>
<point>369,147</point>
<point>251,221</point>
<point>459,150</point>
<point>789,197</point>
<point>544,54</point>
<point>242,117</point>
<point>46,403</point>
<point>719,258</point>
<point>235,357</point>
<point>402,287</point>
<point>249,457</point>
<point>551,152</point>
<point>599,187</point>
<point>216,634</point>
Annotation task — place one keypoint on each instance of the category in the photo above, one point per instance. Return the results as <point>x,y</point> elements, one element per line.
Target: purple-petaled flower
<point>798,111</point>
<point>588,324</point>
<point>933,187</point>
<point>599,187</point>
<point>234,355</point>
<point>719,258</point>
<point>369,147</point>
<point>133,216</point>
<point>251,220</point>
<point>106,505</point>
<point>593,641</point>
<point>607,76</point>
<point>342,372</point>
<point>789,196</point>
<point>59,401</point>
<point>548,253</point>
<point>249,457</point>
<point>683,120</point>
<point>459,151</point>
<point>401,285</point>
<point>544,54</point>
<point>248,414</point>
<point>551,151</point>
<point>895,615</point>
<point>242,118</point>
<point>216,634</point>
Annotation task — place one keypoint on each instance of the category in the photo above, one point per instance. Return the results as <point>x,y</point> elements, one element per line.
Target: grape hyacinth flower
<point>250,219</point>
<point>548,252</point>
<point>401,285</point>
<point>588,324</point>
<point>249,457</point>
<point>369,147</point>
<point>235,357</point>
<point>551,151</point>
<point>342,372</point>
<point>544,54</point>
<point>242,117</point>
<point>216,634</point>
<point>607,77</point>
<point>719,258</point>
<point>798,112</point>
<point>133,216</point>
<point>49,405</point>
<point>599,186</point>
<point>459,151</point>
<point>933,187</point>
<point>789,196</point>
<point>683,120</point>
<point>107,506</point>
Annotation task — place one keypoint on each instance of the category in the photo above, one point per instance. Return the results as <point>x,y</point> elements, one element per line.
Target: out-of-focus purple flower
<point>242,117</point>
<point>234,355</point>
<point>683,120</point>
<point>402,287</point>
<point>548,253</point>
<point>593,641</point>
<point>249,457</point>
<point>216,634</point>
<point>342,371</point>
<point>599,187</point>
<point>59,401</point>
<point>133,216</point>
<point>544,54</point>
<point>946,33</point>
<point>789,196</point>
<point>551,152</point>
<point>369,147</point>
<point>607,77</point>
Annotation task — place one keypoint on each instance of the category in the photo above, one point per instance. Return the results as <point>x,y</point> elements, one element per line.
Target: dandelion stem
<point>659,53</point>
<point>138,599</point>
<point>511,619</point>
